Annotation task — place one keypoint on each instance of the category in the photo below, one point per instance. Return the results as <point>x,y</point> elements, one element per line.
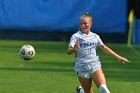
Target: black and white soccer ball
<point>27,52</point>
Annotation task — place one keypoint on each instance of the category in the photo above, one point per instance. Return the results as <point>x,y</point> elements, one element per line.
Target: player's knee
<point>103,88</point>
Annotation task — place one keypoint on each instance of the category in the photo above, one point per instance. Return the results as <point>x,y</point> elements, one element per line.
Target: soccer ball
<point>27,52</point>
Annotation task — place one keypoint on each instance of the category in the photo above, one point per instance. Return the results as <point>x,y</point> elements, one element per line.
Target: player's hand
<point>76,45</point>
<point>123,60</point>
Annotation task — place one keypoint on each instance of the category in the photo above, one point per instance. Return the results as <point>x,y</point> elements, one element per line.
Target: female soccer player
<point>87,64</point>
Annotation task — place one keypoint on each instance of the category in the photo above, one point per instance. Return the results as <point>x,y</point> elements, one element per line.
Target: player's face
<point>85,25</point>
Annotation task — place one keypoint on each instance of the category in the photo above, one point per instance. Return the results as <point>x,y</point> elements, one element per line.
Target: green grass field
<point>51,71</point>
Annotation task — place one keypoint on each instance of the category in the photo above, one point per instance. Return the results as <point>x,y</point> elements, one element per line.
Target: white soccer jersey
<point>86,51</point>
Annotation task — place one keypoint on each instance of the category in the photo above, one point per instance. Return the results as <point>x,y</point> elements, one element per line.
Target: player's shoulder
<point>94,34</point>
<point>78,33</point>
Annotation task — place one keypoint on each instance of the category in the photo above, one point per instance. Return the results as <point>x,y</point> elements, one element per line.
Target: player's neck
<point>87,32</point>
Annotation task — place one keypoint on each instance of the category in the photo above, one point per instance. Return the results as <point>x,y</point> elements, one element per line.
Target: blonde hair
<point>86,15</point>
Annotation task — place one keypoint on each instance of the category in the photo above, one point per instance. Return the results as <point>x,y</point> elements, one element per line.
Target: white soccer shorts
<point>87,70</point>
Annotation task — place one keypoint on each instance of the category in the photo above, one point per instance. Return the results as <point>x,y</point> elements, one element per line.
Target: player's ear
<point>90,23</point>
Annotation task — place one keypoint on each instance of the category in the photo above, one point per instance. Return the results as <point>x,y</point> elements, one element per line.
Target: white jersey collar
<point>85,34</point>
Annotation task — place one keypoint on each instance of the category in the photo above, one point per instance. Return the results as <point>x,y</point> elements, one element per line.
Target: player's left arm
<point>111,52</point>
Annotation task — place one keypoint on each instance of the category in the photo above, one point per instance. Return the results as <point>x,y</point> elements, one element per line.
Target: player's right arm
<point>71,49</point>
<point>73,44</point>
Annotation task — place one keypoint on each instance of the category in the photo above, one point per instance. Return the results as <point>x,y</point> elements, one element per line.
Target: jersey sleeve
<point>99,43</point>
<point>73,40</point>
